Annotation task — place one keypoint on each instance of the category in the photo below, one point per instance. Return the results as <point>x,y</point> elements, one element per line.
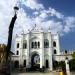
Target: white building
<point>37,48</point>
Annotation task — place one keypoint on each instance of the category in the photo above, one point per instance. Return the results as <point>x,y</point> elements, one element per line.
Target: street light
<point>16,9</point>
<point>8,47</point>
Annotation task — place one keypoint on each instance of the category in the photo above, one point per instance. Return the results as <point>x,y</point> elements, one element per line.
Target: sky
<point>59,15</point>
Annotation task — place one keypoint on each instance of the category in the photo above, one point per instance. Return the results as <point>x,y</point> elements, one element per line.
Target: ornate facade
<point>36,49</point>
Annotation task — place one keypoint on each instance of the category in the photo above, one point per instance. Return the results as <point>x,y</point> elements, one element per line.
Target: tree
<point>73,55</point>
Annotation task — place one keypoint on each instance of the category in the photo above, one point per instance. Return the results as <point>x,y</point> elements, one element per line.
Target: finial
<point>35,25</point>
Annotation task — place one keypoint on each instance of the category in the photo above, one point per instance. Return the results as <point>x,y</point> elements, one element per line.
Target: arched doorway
<point>35,61</point>
<point>16,64</point>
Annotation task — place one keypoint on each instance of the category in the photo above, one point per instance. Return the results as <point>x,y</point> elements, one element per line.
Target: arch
<point>54,44</point>
<point>24,44</point>
<point>35,46</point>
<point>17,52</point>
<point>35,60</point>
<point>16,64</point>
<point>38,44</point>
<point>46,43</point>
<point>32,45</point>
<point>55,52</point>
<point>17,45</point>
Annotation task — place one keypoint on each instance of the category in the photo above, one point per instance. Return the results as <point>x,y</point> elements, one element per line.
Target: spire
<point>35,25</point>
<point>49,29</point>
<point>22,30</point>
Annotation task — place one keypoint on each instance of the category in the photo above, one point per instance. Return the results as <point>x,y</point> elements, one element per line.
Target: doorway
<point>47,64</point>
<point>24,63</point>
<point>16,64</point>
<point>35,61</point>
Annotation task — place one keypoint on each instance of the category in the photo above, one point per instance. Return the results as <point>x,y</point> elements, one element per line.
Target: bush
<point>55,64</point>
<point>72,64</point>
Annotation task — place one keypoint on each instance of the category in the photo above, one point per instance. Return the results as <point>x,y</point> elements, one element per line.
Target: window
<point>54,44</point>
<point>32,44</point>
<point>35,45</point>
<point>17,53</point>
<point>46,43</point>
<point>24,45</point>
<point>55,52</point>
<point>17,45</point>
<point>38,44</point>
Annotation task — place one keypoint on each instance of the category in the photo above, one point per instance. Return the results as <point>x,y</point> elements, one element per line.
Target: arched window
<point>55,52</point>
<point>32,45</point>
<point>35,46</point>
<point>46,43</point>
<point>38,44</point>
<point>17,53</point>
<point>54,44</point>
<point>17,45</point>
<point>24,44</point>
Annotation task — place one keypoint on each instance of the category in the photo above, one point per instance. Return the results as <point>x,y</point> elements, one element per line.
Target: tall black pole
<point>8,47</point>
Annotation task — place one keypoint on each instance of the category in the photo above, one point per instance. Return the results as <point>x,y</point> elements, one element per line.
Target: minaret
<point>21,50</point>
<point>50,49</point>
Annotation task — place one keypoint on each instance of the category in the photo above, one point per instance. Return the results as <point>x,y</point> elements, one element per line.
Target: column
<point>21,52</point>
<point>67,67</point>
<point>42,50</point>
<point>58,44</point>
<point>50,52</point>
<point>28,45</point>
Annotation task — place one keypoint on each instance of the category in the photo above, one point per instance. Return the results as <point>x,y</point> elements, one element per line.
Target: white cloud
<point>69,24</point>
<point>36,13</point>
<point>32,4</point>
<point>24,21</point>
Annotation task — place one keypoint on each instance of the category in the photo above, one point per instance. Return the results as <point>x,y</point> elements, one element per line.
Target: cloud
<point>69,24</point>
<point>32,4</point>
<point>37,14</point>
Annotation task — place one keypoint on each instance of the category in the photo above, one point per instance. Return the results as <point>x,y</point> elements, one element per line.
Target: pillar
<point>42,50</point>
<point>67,67</point>
<point>28,47</point>
<point>50,52</point>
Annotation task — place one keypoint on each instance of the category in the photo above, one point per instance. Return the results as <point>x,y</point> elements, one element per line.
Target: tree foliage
<point>73,55</point>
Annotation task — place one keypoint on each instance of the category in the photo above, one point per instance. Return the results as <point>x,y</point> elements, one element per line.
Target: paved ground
<point>34,74</point>
<point>38,73</point>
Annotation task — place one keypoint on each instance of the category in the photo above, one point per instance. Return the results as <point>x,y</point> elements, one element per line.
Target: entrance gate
<point>35,61</point>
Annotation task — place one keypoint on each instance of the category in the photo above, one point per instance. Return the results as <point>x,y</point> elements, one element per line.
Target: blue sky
<point>59,15</point>
<point>66,7</point>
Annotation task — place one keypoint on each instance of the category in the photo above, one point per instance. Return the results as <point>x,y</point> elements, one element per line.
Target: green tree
<point>73,55</point>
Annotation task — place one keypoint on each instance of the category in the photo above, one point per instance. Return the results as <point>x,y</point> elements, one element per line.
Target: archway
<point>35,61</point>
<point>16,64</point>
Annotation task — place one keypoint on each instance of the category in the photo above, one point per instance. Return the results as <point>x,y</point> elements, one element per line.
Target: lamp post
<point>8,47</point>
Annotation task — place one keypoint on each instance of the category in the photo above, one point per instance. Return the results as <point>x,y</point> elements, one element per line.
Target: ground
<point>39,73</point>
